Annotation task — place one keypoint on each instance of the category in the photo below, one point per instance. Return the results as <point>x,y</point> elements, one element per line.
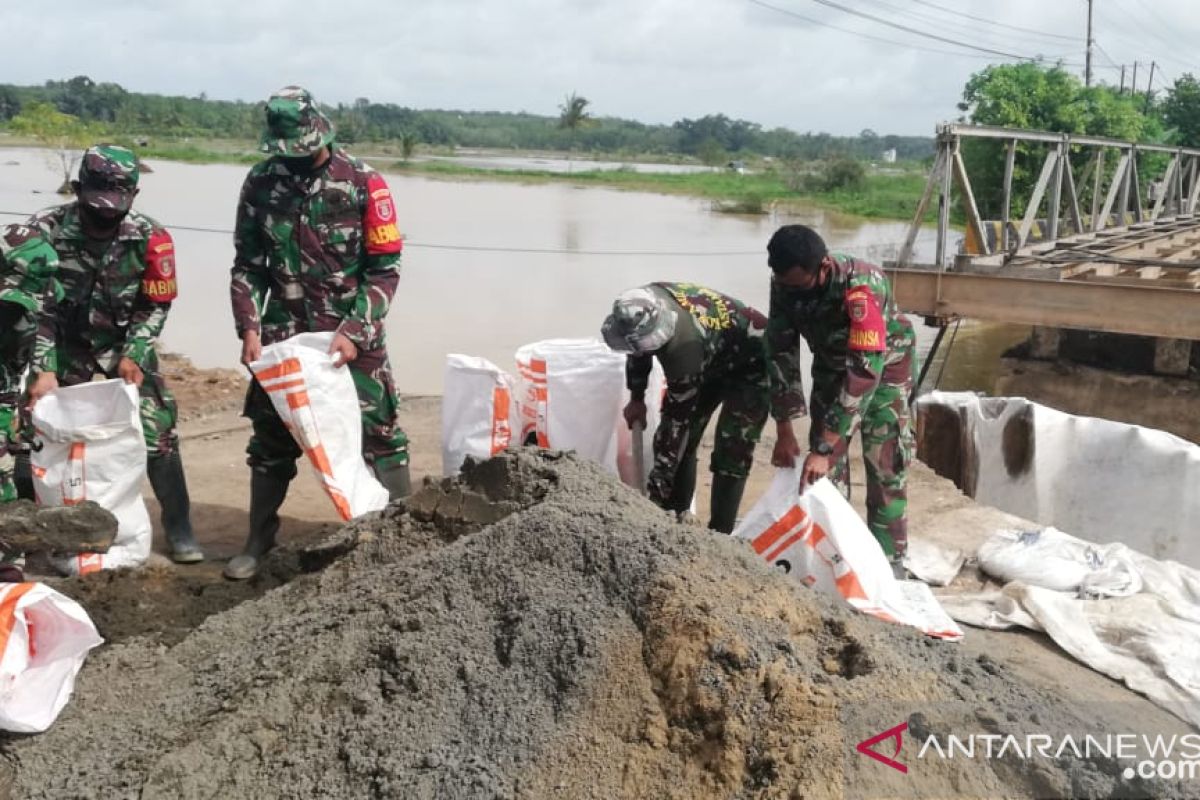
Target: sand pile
<point>535,630</point>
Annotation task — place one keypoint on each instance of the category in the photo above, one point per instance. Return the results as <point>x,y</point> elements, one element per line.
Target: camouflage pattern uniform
<point>114,302</point>
<point>317,250</point>
<point>864,363</point>
<point>27,266</point>
<point>715,357</point>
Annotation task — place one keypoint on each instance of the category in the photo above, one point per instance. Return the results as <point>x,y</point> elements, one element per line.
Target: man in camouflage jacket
<point>711,351</point>
<point>317,249</point>
<point>864,361</point>
<point>116,273</point>
<point>27,267</point>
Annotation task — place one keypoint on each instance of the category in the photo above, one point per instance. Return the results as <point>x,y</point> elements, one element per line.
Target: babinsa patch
<point>867,329</point>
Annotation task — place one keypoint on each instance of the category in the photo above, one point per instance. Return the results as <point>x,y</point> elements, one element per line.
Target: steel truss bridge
<point>1104,249</point>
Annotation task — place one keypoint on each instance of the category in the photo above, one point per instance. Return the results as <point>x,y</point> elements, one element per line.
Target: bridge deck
<point>1143,279</point>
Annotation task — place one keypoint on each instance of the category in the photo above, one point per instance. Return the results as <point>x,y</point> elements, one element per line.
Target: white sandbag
<point>89,446</point>
<point>44,638</point>
<point>318,403</point>
<point>479,411</point>
<point>570,397</point>
<point>819,540</point>
<point>1049,558</point>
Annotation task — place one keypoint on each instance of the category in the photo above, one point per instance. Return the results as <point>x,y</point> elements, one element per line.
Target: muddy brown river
<point>489,266</point>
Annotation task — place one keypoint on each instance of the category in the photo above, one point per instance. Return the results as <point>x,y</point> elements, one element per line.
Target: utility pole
<point>1087,70</point>
<point>1149,83</point>
<point>1122,80</point>
<point>1133,83</point>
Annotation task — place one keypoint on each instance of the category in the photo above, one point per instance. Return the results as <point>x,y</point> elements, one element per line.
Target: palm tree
<point>573,115</point>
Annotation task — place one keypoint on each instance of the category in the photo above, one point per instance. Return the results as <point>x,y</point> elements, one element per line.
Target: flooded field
<point>491,266</point>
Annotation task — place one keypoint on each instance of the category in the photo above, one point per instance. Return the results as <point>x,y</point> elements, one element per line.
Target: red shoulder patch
<point>158,281</point>
<point>379,222</point>
<point>867,329</point>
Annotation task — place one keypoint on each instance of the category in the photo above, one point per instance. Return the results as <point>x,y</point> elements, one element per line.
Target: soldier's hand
<point>130,372</point>
<point>251,347</point>
<point>344,350</point>
<point>43,384</point>
<point>635,413</point>
<point>787,449</point>
<point>816,466</point>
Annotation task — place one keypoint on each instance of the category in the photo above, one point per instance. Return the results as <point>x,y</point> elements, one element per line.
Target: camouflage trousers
<point>272,448</point>
<point>157,407</point>
<point>744,399</point>
<point>888,446</point>
<point>14,355</point>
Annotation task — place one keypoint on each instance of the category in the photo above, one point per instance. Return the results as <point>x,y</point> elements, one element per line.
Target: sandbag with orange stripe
<point>319,405</point>
<point>44,638</point>
<point>479,411</point>
<point>90,447</point>
<point>819,540</point>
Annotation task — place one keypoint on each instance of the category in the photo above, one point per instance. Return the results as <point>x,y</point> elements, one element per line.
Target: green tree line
<point>713,138</point>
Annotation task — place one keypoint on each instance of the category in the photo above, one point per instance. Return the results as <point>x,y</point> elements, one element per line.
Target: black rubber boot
<point>267,493</point>
<point>170,488</point>
<point>396,480</point>
<point>724,503</point>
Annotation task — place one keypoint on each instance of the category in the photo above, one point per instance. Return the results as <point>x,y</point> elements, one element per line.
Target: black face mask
<point>303,165</point>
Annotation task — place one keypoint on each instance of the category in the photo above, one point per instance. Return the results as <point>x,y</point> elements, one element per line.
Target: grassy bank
<point>881,194</point>
<point>891,195</point>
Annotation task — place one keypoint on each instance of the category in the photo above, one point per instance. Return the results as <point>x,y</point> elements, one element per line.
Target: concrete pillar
<point>1172,356</point>
<point>1043,343</point>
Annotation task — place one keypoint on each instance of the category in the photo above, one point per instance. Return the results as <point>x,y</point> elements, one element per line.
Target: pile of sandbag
<point>565,394</point>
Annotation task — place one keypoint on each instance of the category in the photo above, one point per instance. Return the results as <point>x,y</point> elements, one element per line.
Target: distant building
<point>889,156</point>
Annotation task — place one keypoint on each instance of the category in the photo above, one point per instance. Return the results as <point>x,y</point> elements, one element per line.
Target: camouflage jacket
<point>113,300</point>
<point>27,290</point>
<point>854,331</point>
<point>716,338</point>
<point>315,252</point>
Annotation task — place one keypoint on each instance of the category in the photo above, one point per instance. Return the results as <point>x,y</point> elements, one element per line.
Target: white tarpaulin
<point>1129,616</point>
<point>1105,481</point>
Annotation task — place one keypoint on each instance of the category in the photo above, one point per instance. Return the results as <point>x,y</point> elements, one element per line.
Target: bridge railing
<point>1116,196</point>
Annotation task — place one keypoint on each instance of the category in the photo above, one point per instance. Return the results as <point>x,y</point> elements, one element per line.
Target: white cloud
<point>653,60</point>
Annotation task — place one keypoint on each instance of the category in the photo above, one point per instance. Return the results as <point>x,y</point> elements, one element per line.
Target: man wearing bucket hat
<point>117,277</point>
<point>317,249</point>
<point>711,350</point>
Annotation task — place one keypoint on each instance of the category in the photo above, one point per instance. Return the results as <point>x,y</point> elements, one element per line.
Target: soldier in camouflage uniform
<point>864,362</point>
<point>117,277</point>
<point>27,266</point>
<point>317,250</point>
<point>711,350</point>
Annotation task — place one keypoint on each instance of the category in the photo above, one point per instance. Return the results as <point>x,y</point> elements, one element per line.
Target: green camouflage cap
<point>295,126</point>
<point>108,177</point>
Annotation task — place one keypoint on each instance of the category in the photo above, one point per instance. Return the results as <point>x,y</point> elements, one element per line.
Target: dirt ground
<point>170,600</point>
<point>160,606</point>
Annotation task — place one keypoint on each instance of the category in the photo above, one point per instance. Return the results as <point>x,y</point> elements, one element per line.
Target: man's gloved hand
<point>635,413</point>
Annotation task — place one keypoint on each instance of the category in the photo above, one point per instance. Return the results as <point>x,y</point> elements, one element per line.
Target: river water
<point>491,266</point>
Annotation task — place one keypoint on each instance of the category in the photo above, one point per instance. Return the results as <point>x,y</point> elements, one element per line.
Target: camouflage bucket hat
<point>108,177</point>
<point>640,322</point>
<point>295,126</point>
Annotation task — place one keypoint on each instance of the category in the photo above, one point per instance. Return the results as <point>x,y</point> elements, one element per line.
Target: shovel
<point>638,435</point>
